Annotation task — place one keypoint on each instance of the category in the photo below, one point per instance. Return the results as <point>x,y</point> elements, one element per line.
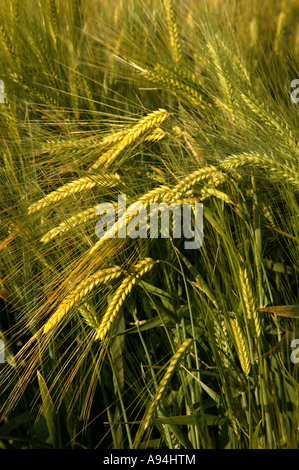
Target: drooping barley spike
<point>208,192</point>
<point>241,346</point>
<point>221,338</point>
<point>89,315</point>
<point>266,210</point>
<point>80,291</point>
<point>52,19</point>
<point>70,223</point>
<point>109,156</point>
<point>39,50</point>
<point>211,172</point>
<point>176,73</point>
<point>269,118</point>
<point>162,193</point>
<point>276,170</point>
<point>6,42</point>
<point>45,98</point>
<point>156,135</point>
<point>15,9</point>
<point>124,138</point>
<point>174,84</point>
<point>225,85</point>
<point>235,60</point>
<point>249,305</point>
<point>173,364</point>
<point>175,45</point>
<point>141,268</point>
<point>86,182</point>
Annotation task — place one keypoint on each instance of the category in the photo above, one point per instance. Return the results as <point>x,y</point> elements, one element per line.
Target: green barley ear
<point>221,339</point>
<point>156,403</point>
<point>174,84</point>
<point>176,50</point>
<point>52,19</point>
<point>254,321</point>
<point>241,346</point>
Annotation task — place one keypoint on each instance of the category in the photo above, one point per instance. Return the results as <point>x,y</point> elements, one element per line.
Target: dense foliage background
<point>140,343</point>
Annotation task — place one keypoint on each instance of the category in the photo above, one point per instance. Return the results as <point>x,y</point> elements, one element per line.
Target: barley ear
<point>79,292</point>
<point>156,403</point>
<point>121,294</point>
<point>241,346</point>
<point>254,321</point>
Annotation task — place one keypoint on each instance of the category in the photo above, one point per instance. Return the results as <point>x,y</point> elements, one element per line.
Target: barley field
<point>134,341</point>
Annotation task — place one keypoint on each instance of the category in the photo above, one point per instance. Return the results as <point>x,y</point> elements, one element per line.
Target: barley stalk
<point>141,268</point>
<point>80,291</point>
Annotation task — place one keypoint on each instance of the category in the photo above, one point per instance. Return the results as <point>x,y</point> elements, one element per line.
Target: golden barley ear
<point>141,268</point>
<point>70,223</point>
<point>86,182</point>
<point>79,292</point>
<point>124,138</point>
